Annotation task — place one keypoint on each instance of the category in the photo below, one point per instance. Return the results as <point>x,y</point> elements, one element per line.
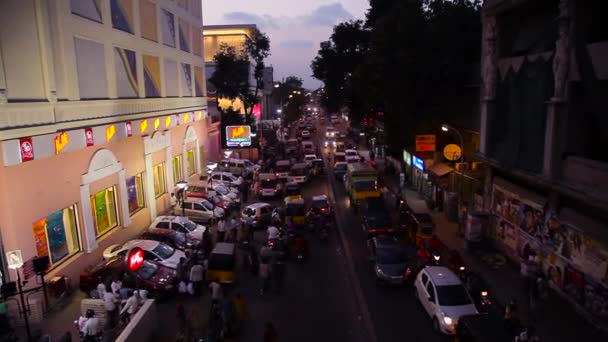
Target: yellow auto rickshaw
<point>295,209</point>
<point>222,263</point>
<point>293,191</point>
<point>424,227</point>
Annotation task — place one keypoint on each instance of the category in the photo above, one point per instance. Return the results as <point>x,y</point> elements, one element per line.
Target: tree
<point>292,106</point>
<point>257,46</point>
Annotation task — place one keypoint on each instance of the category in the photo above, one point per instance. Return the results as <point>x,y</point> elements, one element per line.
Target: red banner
<point>27,149</point>
<point>129,127</point>
<point>88,136</point>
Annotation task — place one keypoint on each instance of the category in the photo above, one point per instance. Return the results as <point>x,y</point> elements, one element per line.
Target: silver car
<point>199,210</point>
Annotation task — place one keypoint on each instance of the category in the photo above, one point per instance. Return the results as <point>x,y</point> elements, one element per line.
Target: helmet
<point>90,313</point>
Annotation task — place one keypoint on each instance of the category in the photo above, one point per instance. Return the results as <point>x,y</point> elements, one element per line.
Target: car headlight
<point>447,320</point>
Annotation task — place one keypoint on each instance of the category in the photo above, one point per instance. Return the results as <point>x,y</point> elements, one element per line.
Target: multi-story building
<point>102,111</point>
<point>544,134</point>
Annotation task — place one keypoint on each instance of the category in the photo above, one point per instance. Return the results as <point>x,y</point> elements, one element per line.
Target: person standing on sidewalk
<point>111,305</point>
<point>221,229</point>
<point>196,278</point>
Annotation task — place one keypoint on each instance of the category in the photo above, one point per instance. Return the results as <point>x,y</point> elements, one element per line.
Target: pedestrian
<point>110,304</point>
<point>173,201</point>
<point>249,223</point>
<point>116,285</point>
<point>101,289</point>
<point>264,273</point>
<point>244,187</point>
<point>181,270</point>
<point>216,290</point>
<point>270,333</point>
<point>231,229</point>
<point>207,243</point>
<point>196,278</point>
<point>221,229</point>
<point>462,219</point>
<point>130,307</point>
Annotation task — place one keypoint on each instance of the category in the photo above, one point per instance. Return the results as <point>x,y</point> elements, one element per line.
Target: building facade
<point>544,138</point>
<point>102,110</point>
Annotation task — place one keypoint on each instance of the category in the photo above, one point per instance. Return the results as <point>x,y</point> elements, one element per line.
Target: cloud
<point>262,21</point>
<point>297,44</point>
<point>327,15</point>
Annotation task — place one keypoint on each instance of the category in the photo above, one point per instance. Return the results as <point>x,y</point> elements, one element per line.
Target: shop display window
<point>135,193</point>
<point>104,207</point>
<point>191,162</point>
<point>177,168</point>
<point>160,186</point>
<point>56,235</point>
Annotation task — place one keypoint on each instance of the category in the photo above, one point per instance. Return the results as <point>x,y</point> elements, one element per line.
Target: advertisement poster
<point>27,149</point>
<point>88,136</point>
<point>554,267</point>
<point>506,205</point>
<point>532,218</point>
<point>508,233</point>
<point>55,229</point>
<point>39,228</point>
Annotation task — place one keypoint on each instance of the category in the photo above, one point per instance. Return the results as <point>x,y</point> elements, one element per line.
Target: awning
<point>440,169</point>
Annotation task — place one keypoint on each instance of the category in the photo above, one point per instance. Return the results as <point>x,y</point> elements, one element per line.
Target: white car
<point>179,224</point>
<point>199,210</point>
<point>308,158</point>
<point>305,134</point>
<point>351,153</point>
<point>443,297</point>
<point>226,178</point>
<point>352,159</point>
<point>153,250</point>
<point>230,193</point>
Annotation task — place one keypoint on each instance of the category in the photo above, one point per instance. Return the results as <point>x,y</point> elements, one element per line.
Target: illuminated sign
<point>199,115</point>
<point>407,158</point>
<point>143,126</point>
<point>425,143</point>
<point>14,259</point>
<point>257,111</point>
<point>129,128</point>
<point>61,141</point>
<point>238,136</point>
<point>135,259</point>
<point>186,117</point>
<point>156,124</point>
<point>110,132</point>
<point>167,122</point>
<point>418,163</point>
<point>88,136</point>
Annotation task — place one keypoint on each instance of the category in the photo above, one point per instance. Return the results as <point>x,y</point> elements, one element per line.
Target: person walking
<point>244,188</point>
<point>221,229</point>
<point>110,303</point>
<point>181,270</point>
<point>196,278</point>
<point>216,290</point>
<point>130,307</point>
<point>232,229</point>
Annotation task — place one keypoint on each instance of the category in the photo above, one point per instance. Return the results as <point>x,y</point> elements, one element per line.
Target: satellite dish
<point>452,152</point>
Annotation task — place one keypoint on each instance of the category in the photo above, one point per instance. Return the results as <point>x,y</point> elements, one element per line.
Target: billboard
<point>425,143</point>
<point>238,136</point>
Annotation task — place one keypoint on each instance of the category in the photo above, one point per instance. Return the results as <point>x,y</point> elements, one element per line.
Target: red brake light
<point>408,272</point>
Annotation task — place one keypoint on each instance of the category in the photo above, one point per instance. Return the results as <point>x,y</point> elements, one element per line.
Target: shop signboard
<point>61,141</point>
<point>129,128</point>
<point>135,259</point>
<point>407,158</point>
<point>27,149</point>
<point>88,136</point>
<point>418,163</point>
<point>238,136</point>
<point>14,259</point>
<point>143,126</point>
<point>110,132</point>
<point>425,142</point>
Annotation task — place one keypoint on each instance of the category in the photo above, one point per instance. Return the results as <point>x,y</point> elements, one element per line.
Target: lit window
<point>103,205</point>
<point>177,168</point>
<point>56,235</point>
<point>191,162</point>
<point>135,193</point>
<point>160,186</point>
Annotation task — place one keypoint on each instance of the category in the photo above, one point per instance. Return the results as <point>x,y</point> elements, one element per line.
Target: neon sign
<point>110,132</point>
<point>199,114</point>
<point>61,141</point>
<point>167,121</point>
<point>238,136</point>
<point>129,128</point>
<point>418,163</point>
<point>135,259</point>
<point>186,117</point>
<point>156,124</point>
<point>143,126</point>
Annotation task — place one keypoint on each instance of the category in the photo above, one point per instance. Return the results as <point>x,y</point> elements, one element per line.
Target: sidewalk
<point>554,318</point>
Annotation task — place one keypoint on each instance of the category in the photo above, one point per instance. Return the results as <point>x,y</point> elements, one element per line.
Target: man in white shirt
<point>216,290</point>
<point>116,286</point>
<point>91,327</point>
<point>273,233</point>
<point>196,278</point>
<point>109,302</point>
<point>130,307</point>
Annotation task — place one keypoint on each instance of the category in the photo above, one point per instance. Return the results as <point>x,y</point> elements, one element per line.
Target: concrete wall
<point>585,175</point>
<point>142,325</point>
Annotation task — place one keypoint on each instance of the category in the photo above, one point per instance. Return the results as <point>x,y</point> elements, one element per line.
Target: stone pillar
<point>489,74</point>
<point>149,186</point>
<point>197,157</point>
<point>170,180</point>
<point>555,134</point>
<point>90,235</point>
<point>487,189</point>
<point>185,163</point>
<point>124,198</point>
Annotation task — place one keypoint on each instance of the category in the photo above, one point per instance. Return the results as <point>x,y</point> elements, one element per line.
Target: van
<point>300,173</point>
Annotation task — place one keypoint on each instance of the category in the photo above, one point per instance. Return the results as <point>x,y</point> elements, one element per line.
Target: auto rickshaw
<point>424,227</point>
<point>295,209</point>
<point>222,262</point>
<point>293,191</point>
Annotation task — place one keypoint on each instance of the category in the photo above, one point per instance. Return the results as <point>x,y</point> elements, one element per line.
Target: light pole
<point>446,128</point>
<point>182,185</point>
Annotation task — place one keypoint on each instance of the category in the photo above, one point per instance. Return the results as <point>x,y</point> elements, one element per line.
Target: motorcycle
<point>479,291</point>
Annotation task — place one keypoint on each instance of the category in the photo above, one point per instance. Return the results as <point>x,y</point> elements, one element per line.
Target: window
<point>103,205</point>
<point>191,162</point>
<point>89,9</point>
<point>453,295</point>
<point>56,235</point>
<point>160,186</point>
<point>122,15</point>
<point>163,225</point>
<point>135,193</point>
<point>177,168</point>
<point>430,291</point>
<point>168,28</point>
<point>147,9</point>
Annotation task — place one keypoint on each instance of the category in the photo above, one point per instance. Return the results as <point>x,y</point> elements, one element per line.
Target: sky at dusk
<point>295,27</point>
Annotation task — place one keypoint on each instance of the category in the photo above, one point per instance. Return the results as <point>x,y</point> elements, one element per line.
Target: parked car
<point>351,153</point>
<point>226,178</point>
<point>308,158</point>
<point>375,217</point>
<point>392,265</point>
<point>238,167</point>
<point>170,237</point>
<point>153,250</point>
<point>261,212</point>
<point>179,224</point>
<point>199,210</point>
<point>200,190</point>
<point>157,279</point>
<point>230,193</point>
<point>340,170</point>
<point>443,297</point>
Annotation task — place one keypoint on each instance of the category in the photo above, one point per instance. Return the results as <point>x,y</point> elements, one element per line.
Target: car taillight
<point>408,272</point>
<point>484,293</point>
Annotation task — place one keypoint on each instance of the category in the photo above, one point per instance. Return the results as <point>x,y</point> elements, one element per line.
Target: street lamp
<point>181,194</point>
<point>446,128</point>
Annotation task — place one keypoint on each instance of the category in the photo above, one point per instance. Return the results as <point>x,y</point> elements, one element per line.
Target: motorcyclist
<point>276,217</point>
<point>423,257</point>
<point>273,233</point>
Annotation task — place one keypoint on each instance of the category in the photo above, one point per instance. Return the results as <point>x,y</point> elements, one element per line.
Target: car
<point>443,297</point>
<point>320,205</point>
<point>308,147</point>
<point>238,167</point>
<point>170,237</point>
<point>198,210</point>
<point>229,193</point>
<point>305,134</point>
<point>339,157</point>
<point>179,224</point>
<point>226,178</point>
<point>200,190</point>
<point>375,217</point>
<point>392,264</point>
<point>157,279</point>
<point>153,250</point>
<point>352,159</point>
<point>329,142</point>
<point>351,152</point>
<point>340,147</point>
<point>261,213</point>
<point>308,158</point>
<point>268,185</point>
<point>340,170</point>
<point>330,132</point>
